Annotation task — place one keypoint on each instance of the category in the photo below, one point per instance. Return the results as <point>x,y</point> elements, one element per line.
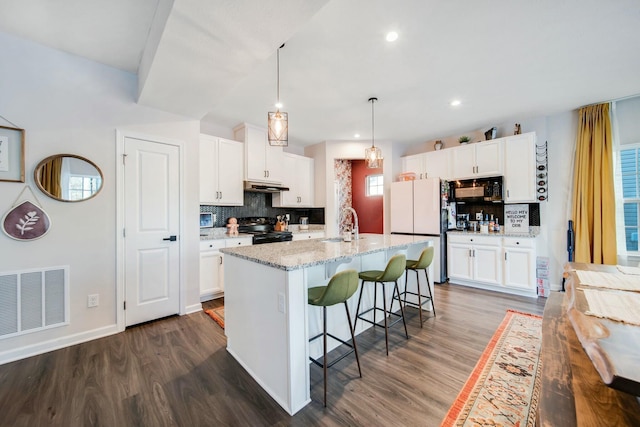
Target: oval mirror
<point>68,178</point>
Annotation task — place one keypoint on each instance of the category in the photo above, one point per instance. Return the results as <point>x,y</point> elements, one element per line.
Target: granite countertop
<point>533,232</point>
<point>221,232</point>
<point>306,253</point>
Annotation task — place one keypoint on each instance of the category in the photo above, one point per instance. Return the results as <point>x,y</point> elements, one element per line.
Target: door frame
<point>121,135</point>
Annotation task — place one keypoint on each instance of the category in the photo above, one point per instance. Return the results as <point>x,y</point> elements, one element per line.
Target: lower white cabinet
<point>493,262</point>
<point>211,265</point>
<point>473,257</point>
<point>309,235</point>
<point>519,263</point>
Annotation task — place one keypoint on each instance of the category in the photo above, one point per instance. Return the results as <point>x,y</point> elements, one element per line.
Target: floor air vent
<point>32,300</point>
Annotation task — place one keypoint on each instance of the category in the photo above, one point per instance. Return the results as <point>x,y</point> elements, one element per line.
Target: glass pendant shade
<point>279,129</point>
<point>373,157</point>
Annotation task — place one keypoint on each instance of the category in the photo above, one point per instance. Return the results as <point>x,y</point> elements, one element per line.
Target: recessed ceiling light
<point>392,36</point>
<point>357,135</point>
<point>455,103</point>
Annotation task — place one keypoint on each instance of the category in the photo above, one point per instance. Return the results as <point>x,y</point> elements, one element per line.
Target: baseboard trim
<point>193,308</point>
<point>56,344</point>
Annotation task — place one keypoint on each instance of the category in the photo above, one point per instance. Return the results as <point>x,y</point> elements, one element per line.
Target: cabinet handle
<point>505,256</point>
<point>507,194</point>
<point>221,260</point>
<point>267,174</point>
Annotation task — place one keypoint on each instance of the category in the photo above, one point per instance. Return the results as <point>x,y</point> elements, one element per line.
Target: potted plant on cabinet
<point>464,139</point>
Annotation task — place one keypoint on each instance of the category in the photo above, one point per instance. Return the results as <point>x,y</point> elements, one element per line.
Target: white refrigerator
<point>417,208</point>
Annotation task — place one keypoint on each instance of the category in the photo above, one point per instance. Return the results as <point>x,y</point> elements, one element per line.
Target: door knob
<point>171,238</point>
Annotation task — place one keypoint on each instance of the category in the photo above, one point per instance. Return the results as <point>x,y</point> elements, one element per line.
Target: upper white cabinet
<point>476,160</point>
<point>221,166</point>
<point>519,168</point>
<point>263,163</point>
<point>298,177</point>
<point>432,164</point>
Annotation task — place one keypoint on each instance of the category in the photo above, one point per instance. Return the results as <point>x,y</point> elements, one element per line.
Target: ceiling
<point>215,59</point>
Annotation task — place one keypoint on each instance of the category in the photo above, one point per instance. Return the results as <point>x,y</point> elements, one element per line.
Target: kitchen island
<point>267,319</point>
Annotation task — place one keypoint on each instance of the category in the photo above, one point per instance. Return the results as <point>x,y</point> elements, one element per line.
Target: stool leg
<point>375,299</point>
<point>353,338</point>
<point>324,343</point>
<point>386,327</point>
<point>419,295</point>
<point>406,283</point>
<point>355,321</point>
<point>433,304</point>
<point>401,310</point>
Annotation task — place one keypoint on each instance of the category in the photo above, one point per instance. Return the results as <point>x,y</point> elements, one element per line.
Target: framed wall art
<point>11,154</point>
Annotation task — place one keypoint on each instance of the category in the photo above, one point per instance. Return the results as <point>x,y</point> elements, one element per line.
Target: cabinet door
<point>298,177</point>
<point>436,164</point>
<point>210,274</point>
<point>489,158</point>
<point>208,170</point>
<point>230,172</point>
<point>255,153</point>
<point>519,268</point>
<point>273,163</point>
<point>414,164</point>
<point>305,168</point>
<point>520,165</point>
<point>487,264</point>
<point>463,163</point>
<point>459,261</point>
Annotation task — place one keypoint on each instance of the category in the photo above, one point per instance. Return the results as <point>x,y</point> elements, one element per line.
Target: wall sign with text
<point>516,218</point>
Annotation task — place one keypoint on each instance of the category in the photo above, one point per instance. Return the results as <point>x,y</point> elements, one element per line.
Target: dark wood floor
<point>176,371</point>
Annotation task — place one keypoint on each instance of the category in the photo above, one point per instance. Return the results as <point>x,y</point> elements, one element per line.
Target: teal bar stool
<point>422,263</point>
<point>393,271</point>
<point>339,289</point>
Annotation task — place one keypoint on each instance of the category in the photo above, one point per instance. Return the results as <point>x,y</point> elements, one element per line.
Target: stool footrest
<point>338,358</point>
<point>399,317</point>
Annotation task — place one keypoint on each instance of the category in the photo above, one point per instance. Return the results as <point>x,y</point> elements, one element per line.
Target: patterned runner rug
<point>504,386</point>
<point>217,314</point>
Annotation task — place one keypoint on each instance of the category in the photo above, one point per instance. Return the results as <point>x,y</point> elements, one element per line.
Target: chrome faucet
<point>355,219</point>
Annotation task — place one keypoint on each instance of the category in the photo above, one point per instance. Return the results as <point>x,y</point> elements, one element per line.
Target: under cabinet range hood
<point>263,187</point>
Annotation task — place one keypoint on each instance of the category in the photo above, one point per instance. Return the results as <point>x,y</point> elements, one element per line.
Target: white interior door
<point>152,222</point>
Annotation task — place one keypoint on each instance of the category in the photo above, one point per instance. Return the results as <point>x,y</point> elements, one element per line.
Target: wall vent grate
<point>32,300</point>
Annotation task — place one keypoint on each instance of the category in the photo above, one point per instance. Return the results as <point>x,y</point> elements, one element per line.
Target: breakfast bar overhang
<point>267,319</point>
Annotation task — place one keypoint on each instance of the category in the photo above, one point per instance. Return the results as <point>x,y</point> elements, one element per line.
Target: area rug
<point>504,386</point>
<point>217,314</point>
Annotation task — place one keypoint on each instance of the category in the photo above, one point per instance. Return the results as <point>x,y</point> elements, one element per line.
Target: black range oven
<point>262,230</point>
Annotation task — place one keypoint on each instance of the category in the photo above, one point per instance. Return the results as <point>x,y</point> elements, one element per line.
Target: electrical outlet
<point>287,217</point>
<point>281,302</point>
<point>215,218</point>
<point>93,300</point>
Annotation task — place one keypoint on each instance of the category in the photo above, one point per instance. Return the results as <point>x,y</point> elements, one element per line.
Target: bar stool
<point>423,263</point>
<point>393,271</point>
<point>339,289</point>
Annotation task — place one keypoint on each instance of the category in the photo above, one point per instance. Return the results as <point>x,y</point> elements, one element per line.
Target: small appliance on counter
<point>304,223</point>
<point>462,221</point>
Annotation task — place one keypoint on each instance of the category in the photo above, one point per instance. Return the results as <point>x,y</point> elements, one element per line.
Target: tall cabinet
<point>221,166</point>
<point>520,165</point>
<point>263,162</point>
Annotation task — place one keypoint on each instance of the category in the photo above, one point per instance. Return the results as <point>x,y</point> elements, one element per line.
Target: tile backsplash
<point>260,205</point>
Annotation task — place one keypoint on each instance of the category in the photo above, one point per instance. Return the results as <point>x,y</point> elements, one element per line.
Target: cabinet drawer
<point>517,242</point>
<point>210,245</point>
<point>241,241</point>
<point>474,239</point>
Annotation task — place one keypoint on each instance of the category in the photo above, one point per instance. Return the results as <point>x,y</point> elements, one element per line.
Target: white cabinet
<point>519,263</point>
<point>520,168</point>
<point>307,236</point>
<point>298,177</point>
<point>432,164</point>
<point>211,265</point>
<point>263,163</point>
<point>221,166</point>
<point>475,258</point>
<point>479,159</point>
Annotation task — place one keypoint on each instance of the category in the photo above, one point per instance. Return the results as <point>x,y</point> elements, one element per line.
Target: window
<point>82,187</point>
<point>374,185</point>
<point>630,179</point>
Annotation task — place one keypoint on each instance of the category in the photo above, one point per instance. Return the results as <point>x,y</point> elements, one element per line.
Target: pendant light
<point>373,155</point>
<point>278,121</point>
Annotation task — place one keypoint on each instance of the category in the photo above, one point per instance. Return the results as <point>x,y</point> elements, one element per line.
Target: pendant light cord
<point>278,74</point>
<point>373,100</point>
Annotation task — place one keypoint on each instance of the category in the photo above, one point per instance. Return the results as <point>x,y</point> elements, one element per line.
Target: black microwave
<point>477,190</point>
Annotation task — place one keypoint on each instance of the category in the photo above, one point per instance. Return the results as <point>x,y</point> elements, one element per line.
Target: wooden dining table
<point>590,365</point>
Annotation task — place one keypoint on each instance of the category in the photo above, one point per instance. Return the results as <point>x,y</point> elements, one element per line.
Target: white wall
<point>67,104</point>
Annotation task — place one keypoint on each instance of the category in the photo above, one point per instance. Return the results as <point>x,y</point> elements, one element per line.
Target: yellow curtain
<point>50,176</point>
<point>593,191</point>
